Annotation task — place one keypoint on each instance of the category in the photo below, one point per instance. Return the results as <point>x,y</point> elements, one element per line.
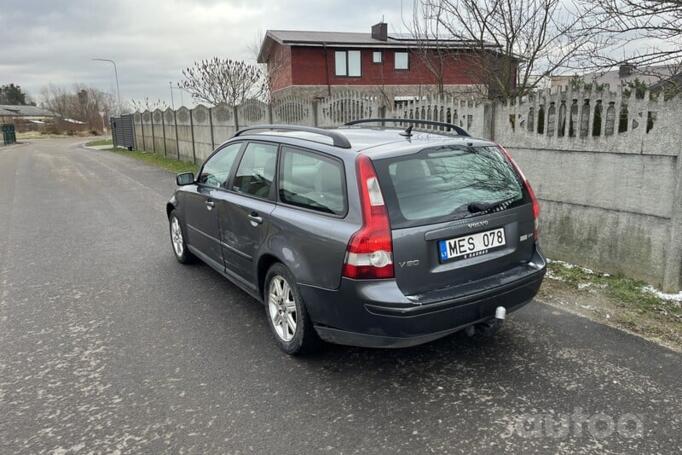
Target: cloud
<point>54,41</point>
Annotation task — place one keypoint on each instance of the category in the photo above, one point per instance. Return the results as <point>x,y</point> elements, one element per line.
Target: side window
<point>256,170</point>
<point>312,181</point>
<point>217,169</point>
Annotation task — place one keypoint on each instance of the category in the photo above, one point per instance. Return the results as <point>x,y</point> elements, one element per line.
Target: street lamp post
<point>118,90</point>
<point>170,85</point>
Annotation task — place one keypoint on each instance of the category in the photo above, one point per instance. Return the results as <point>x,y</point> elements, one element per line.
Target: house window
<point>340,63</point>
<point>347,63</point>
<point>402,61</point>
<point>354,63</point>
<point>377,57</point>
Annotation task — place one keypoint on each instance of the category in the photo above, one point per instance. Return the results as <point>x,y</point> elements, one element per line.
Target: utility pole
<point>118,90</point>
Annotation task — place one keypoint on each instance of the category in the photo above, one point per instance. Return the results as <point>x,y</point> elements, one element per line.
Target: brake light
<point>369,254</point>
<point>529,189</point>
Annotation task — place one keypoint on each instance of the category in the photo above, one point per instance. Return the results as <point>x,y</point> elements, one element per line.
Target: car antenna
<point>407,132</point>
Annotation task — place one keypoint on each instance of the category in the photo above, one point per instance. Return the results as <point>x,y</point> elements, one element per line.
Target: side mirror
<point>186,178</point>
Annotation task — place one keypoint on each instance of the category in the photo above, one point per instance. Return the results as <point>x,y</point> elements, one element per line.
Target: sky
<point>54,41</point>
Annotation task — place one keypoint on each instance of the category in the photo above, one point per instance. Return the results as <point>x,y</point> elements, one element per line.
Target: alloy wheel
<point>282,308</point>
<point>176,237</point>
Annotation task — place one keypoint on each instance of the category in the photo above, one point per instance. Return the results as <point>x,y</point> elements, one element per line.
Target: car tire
<point>286,313</point>
<point>177,238</point>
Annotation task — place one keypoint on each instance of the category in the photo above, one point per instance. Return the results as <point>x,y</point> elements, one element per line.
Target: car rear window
<point>447,183</point>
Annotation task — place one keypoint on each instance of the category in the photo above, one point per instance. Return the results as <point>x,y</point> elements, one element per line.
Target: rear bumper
<point>378,314</point>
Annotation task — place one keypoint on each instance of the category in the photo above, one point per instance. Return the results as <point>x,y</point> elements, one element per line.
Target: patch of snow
<point>569,266</point>
<point>662,295</point>
<point>552,276</point>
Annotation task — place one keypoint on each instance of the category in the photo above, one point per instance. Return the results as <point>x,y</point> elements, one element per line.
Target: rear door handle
<point>210,204</point>
<point>255,219</point>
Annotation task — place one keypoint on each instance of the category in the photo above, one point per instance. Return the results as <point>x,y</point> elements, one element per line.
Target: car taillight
<point>370,251</point>
<point>529,189</point>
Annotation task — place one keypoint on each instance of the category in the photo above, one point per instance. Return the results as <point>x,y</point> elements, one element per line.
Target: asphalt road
<point>108,345</point>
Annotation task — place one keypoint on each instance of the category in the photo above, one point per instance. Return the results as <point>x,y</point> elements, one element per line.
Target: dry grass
<point>155,160</point>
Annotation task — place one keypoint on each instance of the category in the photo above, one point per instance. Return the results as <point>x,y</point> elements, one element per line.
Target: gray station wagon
<point>364,235</point>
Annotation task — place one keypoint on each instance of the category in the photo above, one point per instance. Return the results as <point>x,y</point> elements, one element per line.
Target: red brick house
<point>318,63</point>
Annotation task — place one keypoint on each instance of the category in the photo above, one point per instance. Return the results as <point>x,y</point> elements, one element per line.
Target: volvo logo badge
<point>478,224</point>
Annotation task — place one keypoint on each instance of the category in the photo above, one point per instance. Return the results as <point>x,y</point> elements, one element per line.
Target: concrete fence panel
<point>293,110</point>
<point>159,131</point>
<point>253,112</point>
<point>147,131</point>
<point>170,136</point>
<point>137,125</point>
<point>185,134</point>
<point>203,135</point>
<point>345,106</point>
<point>606,168</point>
<point>465,113</point>
<point>222,117</point>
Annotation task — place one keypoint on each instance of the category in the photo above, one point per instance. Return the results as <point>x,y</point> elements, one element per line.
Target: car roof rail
<point>460,131</point>
<point>338,139</point>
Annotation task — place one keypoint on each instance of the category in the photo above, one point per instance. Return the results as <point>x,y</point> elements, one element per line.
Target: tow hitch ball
<point>489,326</point>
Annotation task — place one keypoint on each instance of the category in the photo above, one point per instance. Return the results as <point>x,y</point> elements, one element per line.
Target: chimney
<point>380,31</point>
<point>626,70</point>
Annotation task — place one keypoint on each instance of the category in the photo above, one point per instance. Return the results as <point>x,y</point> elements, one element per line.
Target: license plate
<point>472,245</point>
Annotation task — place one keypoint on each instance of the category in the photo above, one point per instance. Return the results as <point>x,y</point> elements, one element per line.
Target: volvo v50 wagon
<point>364,235</point>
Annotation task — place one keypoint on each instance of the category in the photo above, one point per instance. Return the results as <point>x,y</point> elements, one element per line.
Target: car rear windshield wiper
<point>476,207</point>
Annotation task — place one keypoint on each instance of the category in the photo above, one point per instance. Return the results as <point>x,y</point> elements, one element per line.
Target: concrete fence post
<point>132,121</point>
<point>489,120</point>
<point>177,141</point>
<point>151,121</point>
<point>144,145</point>
<point>316,120</point>
<point>672,280</point>
<point>210,122</point>
<point>191,129</point>
<point>163,127</point>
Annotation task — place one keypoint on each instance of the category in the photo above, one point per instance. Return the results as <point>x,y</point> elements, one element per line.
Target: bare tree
<point>427,30</point>
<point>646,34</point>
<point>512,45</point>
<point>651,28</point>
<point>148,105</point>
<point>222,81</point>
<point>80,103</point>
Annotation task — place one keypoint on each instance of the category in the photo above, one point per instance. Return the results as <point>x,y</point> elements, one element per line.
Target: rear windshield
<point>447,183</point>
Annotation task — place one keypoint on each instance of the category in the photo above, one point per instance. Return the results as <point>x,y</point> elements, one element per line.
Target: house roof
<point>346,39</point>
<point>11,110</point>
